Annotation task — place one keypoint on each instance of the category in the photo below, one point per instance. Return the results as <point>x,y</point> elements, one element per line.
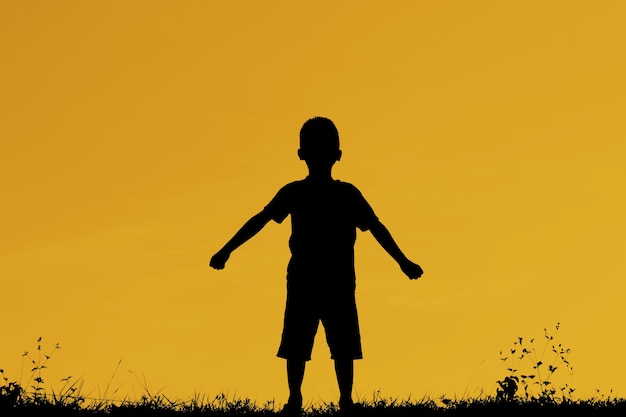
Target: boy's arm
<point>249,229</point>
<point>384,238</point>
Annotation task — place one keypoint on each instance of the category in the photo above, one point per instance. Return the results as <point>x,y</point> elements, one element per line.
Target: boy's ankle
<point>295,400</point>
<point>345,403</point>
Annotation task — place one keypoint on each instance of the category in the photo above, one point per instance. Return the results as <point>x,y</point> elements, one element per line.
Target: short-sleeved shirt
<point>324,218</point>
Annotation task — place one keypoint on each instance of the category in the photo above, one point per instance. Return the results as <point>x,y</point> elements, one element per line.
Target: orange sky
<point>137,137</point>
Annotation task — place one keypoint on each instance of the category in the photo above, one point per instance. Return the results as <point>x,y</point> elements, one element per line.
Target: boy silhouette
<point>320,276</point>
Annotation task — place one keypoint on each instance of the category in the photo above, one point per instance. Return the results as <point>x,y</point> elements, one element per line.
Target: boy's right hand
<point>218,261</point>
<point>411,269</point>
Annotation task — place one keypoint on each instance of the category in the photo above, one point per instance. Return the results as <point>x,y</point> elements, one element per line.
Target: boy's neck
<point>320,174</point>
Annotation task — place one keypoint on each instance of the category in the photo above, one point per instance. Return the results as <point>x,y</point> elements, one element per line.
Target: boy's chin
<point>320,163</point>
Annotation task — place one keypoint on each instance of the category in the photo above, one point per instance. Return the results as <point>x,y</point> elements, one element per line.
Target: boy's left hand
<point>411,269</point>
<point>218,261</point>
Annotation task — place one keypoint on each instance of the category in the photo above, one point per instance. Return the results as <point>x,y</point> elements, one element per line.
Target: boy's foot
<point>346,405</point>
<point>292,409</point>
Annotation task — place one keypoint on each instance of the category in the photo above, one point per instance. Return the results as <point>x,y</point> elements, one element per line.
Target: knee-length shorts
<point>304,311</point>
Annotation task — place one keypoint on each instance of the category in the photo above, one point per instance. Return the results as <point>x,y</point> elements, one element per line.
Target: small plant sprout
<point>533,370</point>
<point>38,365</point>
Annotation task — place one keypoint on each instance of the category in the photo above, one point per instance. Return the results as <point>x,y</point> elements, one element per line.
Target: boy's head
<point>319,141</point>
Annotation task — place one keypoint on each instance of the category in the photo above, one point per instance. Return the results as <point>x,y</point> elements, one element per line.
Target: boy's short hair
<point>319,134</point>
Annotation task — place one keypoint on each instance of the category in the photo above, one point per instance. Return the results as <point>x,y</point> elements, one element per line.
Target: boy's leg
<point>295,375</point>
<point>344,368</point>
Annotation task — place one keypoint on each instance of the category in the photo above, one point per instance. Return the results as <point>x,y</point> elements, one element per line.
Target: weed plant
<point>533,370</point>
<point>529,371</point>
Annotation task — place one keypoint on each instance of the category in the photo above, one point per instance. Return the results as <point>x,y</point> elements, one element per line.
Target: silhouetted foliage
<point>532,370</point>
<point>38,399</point>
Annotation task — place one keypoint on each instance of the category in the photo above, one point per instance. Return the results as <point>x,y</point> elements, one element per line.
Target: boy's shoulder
<point>349,189</point>
<point>347,186</point>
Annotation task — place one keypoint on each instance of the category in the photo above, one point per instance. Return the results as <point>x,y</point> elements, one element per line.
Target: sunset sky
<point>138,136</point>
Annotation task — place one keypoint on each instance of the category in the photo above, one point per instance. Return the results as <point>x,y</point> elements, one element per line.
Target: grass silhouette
<point>527,390</point>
